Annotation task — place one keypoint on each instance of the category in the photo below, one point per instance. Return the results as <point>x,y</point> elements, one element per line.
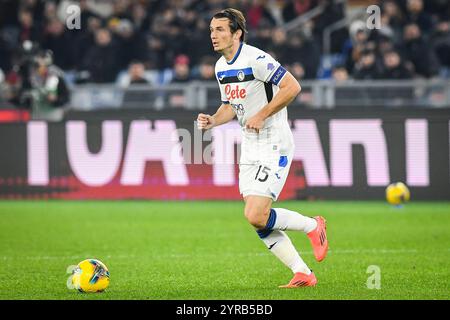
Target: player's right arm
<point>223,115</point>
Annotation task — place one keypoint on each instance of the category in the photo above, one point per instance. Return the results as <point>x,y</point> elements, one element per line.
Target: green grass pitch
<point>207,250</point>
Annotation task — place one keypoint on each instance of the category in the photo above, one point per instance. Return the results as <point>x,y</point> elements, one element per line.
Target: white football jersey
<point>248,83</point>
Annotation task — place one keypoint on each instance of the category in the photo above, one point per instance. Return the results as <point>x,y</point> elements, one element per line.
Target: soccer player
<point>257,89</point>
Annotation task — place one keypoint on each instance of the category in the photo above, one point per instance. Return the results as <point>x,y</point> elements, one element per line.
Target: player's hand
<point>205,121</point>
<point>256,123</point>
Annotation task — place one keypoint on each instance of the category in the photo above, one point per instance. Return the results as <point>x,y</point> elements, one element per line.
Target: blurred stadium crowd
<point>159,42</point>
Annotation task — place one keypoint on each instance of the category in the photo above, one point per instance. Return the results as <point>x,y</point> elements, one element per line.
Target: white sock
<point>281,246</point>
<point>284,219</point>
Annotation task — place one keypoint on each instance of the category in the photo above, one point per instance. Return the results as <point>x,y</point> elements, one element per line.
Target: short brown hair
<point>237,20</point>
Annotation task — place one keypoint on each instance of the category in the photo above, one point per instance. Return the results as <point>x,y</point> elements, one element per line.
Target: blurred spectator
<point>166,41</point>
<point>262,37</point>
<point>415,14</point>
<point>343,91</point>
<point>199,43</point>
<point>28,29</point>
<point>86,39</point>
<point>50,79</point>
<point>384,43</point>
<point>394,67</point>
<point>355,44</point>
<point>295,8</point>
<point>12,88</point>
<point>181,69</point>
<point>440,42</point>
<point>139,17</point>
<point>392,14</point>
<point>176,41</point>
<point>258,12</point>
<point>86,14</point>
<point>50,11</point>
<point>101,60</point>
<point>136,73</point>
<point>340,74</point>
<point>189,19</point>
<point>416,50</point>
<point>18,79</point>
<point>392,21</point>
<point>42,88</point>
<point>303,50</point>
<point>156,58</point>
<point>131,45</point>
<point>279,44</point>
<point>206,70</point>
<point>366,68</point>
<point>135,76</point>
<point>36,7</point>
<point>59,42</point>
<point>120,9</point>
<point>297,70</point>
<point>276,8</point>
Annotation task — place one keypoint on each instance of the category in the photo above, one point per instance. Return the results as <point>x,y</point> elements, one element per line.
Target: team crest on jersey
<point>240,75</point>
<point>239,108</point>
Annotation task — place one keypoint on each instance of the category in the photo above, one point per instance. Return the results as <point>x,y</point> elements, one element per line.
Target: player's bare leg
<point>259,214</point>
<point>257,210</point>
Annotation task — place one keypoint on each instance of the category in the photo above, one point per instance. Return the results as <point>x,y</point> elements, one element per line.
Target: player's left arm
<point>289,89</point>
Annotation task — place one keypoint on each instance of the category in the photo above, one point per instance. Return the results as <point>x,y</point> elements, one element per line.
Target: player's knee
<point>256,218</point>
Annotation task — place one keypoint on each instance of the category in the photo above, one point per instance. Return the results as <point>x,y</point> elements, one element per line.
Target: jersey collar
<point>236,55</point>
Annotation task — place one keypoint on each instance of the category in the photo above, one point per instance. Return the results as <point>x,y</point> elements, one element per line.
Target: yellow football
<point>397,193</point>
<point>90,275</point>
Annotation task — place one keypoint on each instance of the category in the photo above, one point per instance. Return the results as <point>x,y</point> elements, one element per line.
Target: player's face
<point>221,36</point>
